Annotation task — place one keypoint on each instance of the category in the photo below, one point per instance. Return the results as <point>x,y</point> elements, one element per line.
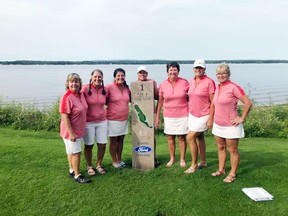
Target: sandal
<point>170,163</point>
<point>218,173</point>
<point>191,169</point>
<point>229,179</point>
<point>100,170</point>
<point>183,164</point>
<point>91,171</point>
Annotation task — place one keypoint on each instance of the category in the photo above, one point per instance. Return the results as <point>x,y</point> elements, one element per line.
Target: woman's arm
<point>67,124</point>
<point>247,106</point>
<point>211,113</point>
<point>246,109</point>
<point>156,92</point>
<point>159,107</point>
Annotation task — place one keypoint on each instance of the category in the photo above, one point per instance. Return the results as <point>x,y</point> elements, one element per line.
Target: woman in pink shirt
<point>228,125</point>
<point>117,115</point>
<point>96,126</point>
<point>201,92</point>
<point>173,98</point>
<point>73,109</point>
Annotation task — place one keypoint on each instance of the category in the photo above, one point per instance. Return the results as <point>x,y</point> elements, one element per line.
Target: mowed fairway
<point>34,181</point>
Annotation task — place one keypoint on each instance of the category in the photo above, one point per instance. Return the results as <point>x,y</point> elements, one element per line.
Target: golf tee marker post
<point>142,122</point>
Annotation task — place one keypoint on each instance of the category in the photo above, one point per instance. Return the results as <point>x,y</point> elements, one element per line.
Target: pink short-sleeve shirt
<point>175,98</point>
<point>118,101</point>
<point>96,103</point>
<point>76,107</point>
<point>199,96</point>
<point>225,101</point>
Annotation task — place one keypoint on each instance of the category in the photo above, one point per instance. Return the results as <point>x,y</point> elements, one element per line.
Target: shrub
<point>263,121</point>
<point>28,118</point>
<point>267,121</point>
<point>9,113</point>
<point>19,116</point>
<point>51,121</point>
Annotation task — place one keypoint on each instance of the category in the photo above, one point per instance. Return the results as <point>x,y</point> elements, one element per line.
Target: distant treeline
<point>136,62</point>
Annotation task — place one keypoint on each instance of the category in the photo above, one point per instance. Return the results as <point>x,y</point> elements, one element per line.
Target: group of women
<point>189,109</point>
<point>192,108</point>
<point>94,111</point>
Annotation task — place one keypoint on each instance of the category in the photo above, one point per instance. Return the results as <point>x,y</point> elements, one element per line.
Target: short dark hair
<point>173,64</point>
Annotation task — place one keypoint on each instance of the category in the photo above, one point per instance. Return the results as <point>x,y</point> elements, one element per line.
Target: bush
<point>52,118</point>
<point>263,121</point>
<point>21,117</point>
<point>28,118</point>
<point>9,113</point>
<point>267,121</point>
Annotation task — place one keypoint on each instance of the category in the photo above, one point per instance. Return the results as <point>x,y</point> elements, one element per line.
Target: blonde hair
<point>71,77</point>
<point>224,68</point>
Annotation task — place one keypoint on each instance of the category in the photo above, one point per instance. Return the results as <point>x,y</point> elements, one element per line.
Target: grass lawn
<point>34,181</point>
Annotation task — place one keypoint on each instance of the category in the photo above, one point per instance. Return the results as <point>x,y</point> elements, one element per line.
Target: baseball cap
<point>199,63</point>
<point>142,68</point>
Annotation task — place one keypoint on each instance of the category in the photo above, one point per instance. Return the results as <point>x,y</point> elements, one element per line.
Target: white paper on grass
<point>257,194</point>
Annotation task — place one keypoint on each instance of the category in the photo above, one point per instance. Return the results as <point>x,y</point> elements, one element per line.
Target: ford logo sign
<point>143,149</point>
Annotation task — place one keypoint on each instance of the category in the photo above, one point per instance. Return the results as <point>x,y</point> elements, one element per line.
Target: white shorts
<point>197,124</point>
<point>117,128</point>
<point>230,132</point>
<point>98,130</point>
<point>73,147</point>
<point>176,126</point>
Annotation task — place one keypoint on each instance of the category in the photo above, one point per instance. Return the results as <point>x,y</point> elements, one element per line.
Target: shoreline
<point>137,62</point>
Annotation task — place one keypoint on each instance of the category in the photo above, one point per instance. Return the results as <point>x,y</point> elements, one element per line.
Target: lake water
<point>43,84</point>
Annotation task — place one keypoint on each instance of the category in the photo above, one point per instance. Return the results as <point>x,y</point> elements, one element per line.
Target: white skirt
<point>197,124</point>
<point>230,132</point>
<point>117,128</point>
<point>176,126</point>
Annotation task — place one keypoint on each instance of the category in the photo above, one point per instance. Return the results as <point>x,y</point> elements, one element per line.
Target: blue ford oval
<point>143,149</point>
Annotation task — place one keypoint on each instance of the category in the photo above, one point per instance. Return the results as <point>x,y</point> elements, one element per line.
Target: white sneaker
<point>202,165</point>
<point>116,165</point>
<point>122,163</point>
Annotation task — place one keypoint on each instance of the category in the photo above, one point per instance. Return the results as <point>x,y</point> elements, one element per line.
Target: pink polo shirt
<point>199,96</point>
<point>175,98</point>
<point>76,107</point>
<point>117,107</point>
<point>225,100</point>
<point>96,103</point>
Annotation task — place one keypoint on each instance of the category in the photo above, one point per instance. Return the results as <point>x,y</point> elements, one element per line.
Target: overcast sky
<point>146,29</point>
